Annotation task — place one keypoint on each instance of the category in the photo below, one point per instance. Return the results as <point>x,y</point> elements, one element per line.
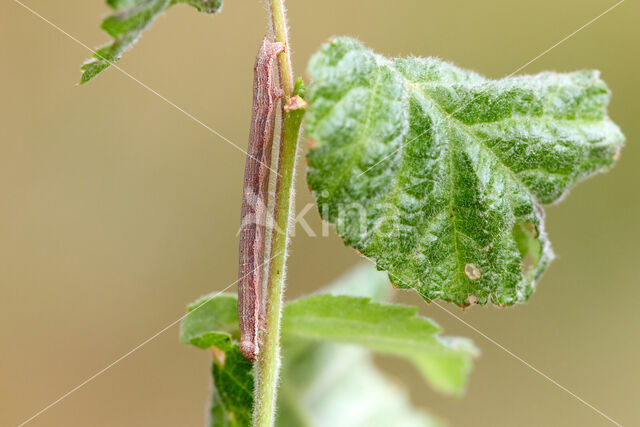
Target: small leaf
<point>339,386</point>
<point>439,174</point>
<point>211,322</point>
<point>232,398</point>
<point>129,19</point>
<point>384,328</point>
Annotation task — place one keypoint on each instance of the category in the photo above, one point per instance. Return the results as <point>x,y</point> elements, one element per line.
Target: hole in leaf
<point>472,271</point>
<point>219,356</point>
<point>526,236</point>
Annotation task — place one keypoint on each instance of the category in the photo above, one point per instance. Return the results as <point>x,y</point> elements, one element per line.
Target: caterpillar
<point>266,94</point>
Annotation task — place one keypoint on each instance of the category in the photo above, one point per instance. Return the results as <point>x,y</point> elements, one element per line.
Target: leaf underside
<point>439,174</point>
<point>127,22</point>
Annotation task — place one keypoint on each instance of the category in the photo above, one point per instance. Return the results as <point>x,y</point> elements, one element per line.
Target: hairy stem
<point>269,359</point>
<point>279,22</point>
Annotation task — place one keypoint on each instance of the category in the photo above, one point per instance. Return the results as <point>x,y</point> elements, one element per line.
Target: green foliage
<point>439,174</point>
<point>384,328</point>
<point>127,22</point>
<point>232,396</point>
<point>310,362</point>
<point>211,323</point>
<point>329,385</point>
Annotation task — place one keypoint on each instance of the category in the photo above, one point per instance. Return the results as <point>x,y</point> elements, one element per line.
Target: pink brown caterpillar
<point>266,94</point>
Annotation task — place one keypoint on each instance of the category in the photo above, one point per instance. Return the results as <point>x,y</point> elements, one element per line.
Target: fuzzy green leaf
<point>384,328</point>
<point>129,19</point>
<point>232,398</point>
<point>330,385</point>
<point>439,174</point>
<point>212,322</point>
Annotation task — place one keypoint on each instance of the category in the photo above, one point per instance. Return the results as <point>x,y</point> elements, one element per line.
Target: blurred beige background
<point>116,210</point>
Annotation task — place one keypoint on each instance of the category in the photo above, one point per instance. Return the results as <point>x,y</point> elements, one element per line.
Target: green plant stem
<point>279,23</point>
<point>269,359</point>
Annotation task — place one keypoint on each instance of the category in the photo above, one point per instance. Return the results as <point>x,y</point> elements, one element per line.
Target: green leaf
<point>129,19</point>
<point>232,397</point>
<point>212,322</point>
<point>339,386</point>
<point>439,174</point>
<point>390,329</point>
